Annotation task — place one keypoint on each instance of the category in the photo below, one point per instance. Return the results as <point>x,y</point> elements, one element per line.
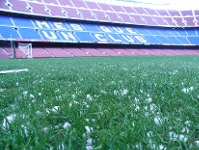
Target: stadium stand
<point>86,22</point>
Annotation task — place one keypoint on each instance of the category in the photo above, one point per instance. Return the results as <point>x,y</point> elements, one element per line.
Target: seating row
<point>40,30</point>
<point>6,52</point>
<point>87,10</point>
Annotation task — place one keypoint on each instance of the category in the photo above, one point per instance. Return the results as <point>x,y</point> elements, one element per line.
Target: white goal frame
<point>26,48</point>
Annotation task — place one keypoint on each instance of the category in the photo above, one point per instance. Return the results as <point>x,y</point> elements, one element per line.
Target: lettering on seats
<point>105,29</point>
<point>51,35</point>
<point>42,24</point>
<point>100,37</point>
<point>128,38</point>
<point>59,25</point>
<point>68,36</point>
<point>76,27</point>
<point>141,39</point>
<point>114,39</point>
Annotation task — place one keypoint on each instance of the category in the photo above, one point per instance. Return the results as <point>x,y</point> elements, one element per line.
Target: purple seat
<point>92,5</point>
<point>118,9</point>
<point>151,12</point>
<point>129,10</point>
<point>51,2</point>
<point>79,4</point>
<point>126,18</point>
<point>140,10</point>
<point>138,20</point>
<point>113,17</point>
<point>186,13</point>
<point>169,21</point>
<point>65,3</point>
<point>4,5</point>
<point>174,13</point>
<point>160,21</point>
<point>87,14</point>
<point>56,11</point>
<point>38,9</point>
<point>149,20</point>
<point>105,7</point>
<point>72,13</point>
<point>196,12</point>
<point>189,21</point>
<point>100,16</point>
<point>162,13</point>
<point>179,21</point>
<point>20,6</point>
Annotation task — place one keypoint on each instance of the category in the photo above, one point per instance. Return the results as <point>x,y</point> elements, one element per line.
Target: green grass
<point>100,103</point>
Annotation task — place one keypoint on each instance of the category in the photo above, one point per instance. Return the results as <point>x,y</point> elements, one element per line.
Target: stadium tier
<point>23,29</point>
<point>87,10</point>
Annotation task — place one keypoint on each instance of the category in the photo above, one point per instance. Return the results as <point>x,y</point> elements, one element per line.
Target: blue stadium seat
<point>153,40</point>
<point>193,40</point>
<point>27,33</point>
<point>8,32</point>
<point>84,37</point>
<point>191,32</point>
<point>22,22</point>
<point>5,21</point>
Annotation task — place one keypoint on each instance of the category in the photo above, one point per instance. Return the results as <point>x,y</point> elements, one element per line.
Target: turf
<point>100,103</point>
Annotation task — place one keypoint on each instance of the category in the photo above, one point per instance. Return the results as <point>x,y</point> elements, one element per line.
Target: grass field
<point>100,103</point>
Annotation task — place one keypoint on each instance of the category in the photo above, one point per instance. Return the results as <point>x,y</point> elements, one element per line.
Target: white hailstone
<point>185,129</point>
<point>150,133</point>
<point>61,146</point>
<point>161,147</point>
<point>149,100</point>
<point>66,125</point>
<point>31,96</point>
<point>38,112</point>
<point>89,148</point>
<point>137,100</point>
<point>124,92</point>
<point>173,136</point>
<point>25,130</point>
<point>88,129</point>
<point>153,107</point>
<point>93,120</point>
<point>1,90</point>
<point>137,108</point>
<point>88,96</point>
<point>55,109</point>
<point>70,104</point>
<point>158,121</point>
<point>75,102</point>
<point>115,92</point>
<point>89,141</point>
<point>191,88</point>
<point>183,138</point>
<point>187,90</point>
<point>87,120</point>
<point>39,94</point>
<point>8,120</point>
<point>45,129</point>
<point>25,93</point>
<point>17,84</point>
<point>47,111</point>
<point>188,123</point>
<point>197,143</point>
<point>73,96</point>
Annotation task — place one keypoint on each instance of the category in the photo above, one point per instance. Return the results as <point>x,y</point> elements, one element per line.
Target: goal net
<point>26,48</point>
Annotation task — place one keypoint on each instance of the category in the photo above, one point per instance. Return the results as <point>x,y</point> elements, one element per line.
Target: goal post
<point>26,48</point>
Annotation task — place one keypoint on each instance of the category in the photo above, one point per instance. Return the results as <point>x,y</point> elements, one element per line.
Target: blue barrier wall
<point>36,30</point>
